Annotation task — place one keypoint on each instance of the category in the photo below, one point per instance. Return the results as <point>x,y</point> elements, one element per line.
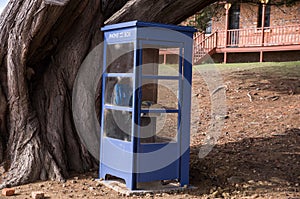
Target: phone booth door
<point>117,142</point>
<point>159,118</point>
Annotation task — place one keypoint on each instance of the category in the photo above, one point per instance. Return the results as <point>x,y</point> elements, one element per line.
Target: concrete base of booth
<point>151,188</point>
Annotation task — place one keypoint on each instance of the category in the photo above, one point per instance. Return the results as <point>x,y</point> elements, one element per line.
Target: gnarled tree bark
<point>43,44</point>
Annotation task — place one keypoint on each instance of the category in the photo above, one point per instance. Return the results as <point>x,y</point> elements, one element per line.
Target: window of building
<point>234,16</point>
<point>208,29</point>
<point>267,15</point>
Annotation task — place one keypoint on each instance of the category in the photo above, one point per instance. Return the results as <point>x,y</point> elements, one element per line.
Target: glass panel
<point>118,91</point>
<point>120,58</point>
<point>117,124</point>
<point>160,60</point>
<point>157,94</point>
<point>159,128</point>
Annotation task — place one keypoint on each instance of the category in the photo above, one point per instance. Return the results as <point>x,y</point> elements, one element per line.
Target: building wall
<point>248,16</point>
<point>218,22</point>
<point>280,16</point>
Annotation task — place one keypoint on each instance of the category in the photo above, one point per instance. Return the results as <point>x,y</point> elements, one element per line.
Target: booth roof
<point>147,24</point>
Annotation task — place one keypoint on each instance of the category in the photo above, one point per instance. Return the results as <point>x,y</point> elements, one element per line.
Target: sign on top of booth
<point>148,24</point>
<point>133,30</point>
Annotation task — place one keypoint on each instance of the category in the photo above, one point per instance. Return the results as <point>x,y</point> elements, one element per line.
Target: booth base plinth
<point>146,188</point>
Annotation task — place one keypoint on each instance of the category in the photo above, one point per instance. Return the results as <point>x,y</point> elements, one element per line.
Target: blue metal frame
<point>130,160</point>
<point>122,164</point>
<point>171,169</point>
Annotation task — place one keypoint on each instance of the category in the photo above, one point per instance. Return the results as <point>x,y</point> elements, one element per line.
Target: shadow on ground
<point>252,164</point>
<point>281,79</point>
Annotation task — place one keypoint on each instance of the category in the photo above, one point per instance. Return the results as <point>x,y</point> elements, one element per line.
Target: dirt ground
<point>257,154</point>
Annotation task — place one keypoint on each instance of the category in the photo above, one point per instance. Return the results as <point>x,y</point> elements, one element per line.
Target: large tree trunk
<point>42,142</point>
<point>162,11</point>
<point>43,44</point>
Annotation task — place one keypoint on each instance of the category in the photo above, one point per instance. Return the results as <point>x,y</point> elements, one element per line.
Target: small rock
<point>222,117</point>
<point>98,184</point>
<point>91,188</point>
<point>238,115</point>
<point>235,180</point>
<point>225,195</point>
<point>41,185</point>
<point>2,170</point>
<point>214,194</point>
<point>212,190</point>
<point>76,178</point>
<point>255,196</point>
<point>260,182</point>
<point>38,195</point>
<point>8,191</point>
<point>73,181</point>
<point>246,186</point>
<point>264,81</point>
<point>252,85</point>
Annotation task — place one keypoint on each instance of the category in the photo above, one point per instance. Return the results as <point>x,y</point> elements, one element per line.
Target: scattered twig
<point>273,98</point>
<point>218,89</point>
<point>250,96</point>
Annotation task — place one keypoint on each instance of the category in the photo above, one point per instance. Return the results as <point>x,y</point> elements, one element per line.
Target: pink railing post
<point>216,44</point>
<point>227,7</point>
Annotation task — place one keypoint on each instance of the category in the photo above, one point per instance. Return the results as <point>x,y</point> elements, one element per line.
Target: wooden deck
<point>279,38</point>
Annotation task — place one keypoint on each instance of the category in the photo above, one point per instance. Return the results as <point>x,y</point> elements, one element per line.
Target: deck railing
<point>204,45</point>
<point>283,35</point>
<point>251,37</point>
